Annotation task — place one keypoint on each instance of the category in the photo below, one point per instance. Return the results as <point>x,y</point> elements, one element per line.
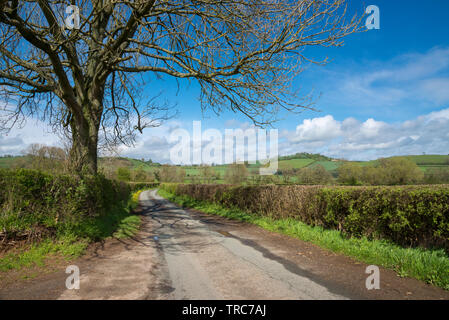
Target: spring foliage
<point>32,201</point>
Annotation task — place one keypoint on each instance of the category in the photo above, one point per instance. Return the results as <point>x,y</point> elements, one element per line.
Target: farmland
<point>109,165</point>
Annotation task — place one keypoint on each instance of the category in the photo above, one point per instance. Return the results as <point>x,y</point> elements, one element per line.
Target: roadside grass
<point>72,242</point>
<point>36,254</point>
<point>431,266</point>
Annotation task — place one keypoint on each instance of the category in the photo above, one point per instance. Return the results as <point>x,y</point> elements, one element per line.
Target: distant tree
<point>169,173</point>
<point>350,174</point>
<point>236,173</point>
<point>254,179</point>
<point>437,176</point>
<point>287,173</point>
<point>372,175</point>
<point>157,175</point>
<point>180,175</point>
<point>139,175</point>
<point>321,175</point>
<point>195,178</point>
<point>47,158</point>
<point>123,174</point>
<point>314,175</point>
<point>304,176</point>
<point>400,171</point>
<point>208,174</point>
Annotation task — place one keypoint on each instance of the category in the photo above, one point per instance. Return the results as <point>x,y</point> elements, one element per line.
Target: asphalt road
<point>213,264</point>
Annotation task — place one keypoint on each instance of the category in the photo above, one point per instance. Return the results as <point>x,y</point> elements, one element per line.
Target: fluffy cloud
<point>356,140</point>
<point>317,129</point>
<point>350,138</point>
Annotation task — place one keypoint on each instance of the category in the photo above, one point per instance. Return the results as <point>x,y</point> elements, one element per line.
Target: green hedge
<point>142,185</point>
<point>406,215</point>
<point>33,201</point>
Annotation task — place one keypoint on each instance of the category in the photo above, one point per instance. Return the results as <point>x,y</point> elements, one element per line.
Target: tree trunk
<point>83,154</point>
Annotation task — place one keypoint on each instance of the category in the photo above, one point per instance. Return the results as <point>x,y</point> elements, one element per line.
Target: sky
<point>384,93</point>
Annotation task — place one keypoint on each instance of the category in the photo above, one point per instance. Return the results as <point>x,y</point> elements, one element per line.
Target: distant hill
<point>305,155</point>
<point>112,163</point>
<point>295,161</point>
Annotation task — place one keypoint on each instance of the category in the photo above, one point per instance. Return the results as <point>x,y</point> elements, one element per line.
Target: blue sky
<point>386,92</point>
<point>409,29</point>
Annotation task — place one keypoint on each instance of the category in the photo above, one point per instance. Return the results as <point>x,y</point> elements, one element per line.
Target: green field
<point>430,159</point>
<point>295,163</point>
<point>328,165</point>
<point>6,162</point>
<point>9,162</point>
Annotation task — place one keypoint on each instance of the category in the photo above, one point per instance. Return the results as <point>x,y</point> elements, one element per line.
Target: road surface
<point>215,264</point>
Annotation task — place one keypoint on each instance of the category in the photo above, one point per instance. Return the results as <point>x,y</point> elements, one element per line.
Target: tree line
<point>391,171</point>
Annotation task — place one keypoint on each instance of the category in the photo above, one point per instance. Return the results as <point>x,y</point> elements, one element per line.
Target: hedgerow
<point>34,204</point>
<point>407,215</point>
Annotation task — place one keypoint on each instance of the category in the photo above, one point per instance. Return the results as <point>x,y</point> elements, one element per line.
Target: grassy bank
<point>431,266</point>
<point>119,223</point>
<point>44,215</point>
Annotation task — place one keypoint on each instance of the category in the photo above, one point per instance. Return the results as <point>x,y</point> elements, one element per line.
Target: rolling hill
<point>297,161</point>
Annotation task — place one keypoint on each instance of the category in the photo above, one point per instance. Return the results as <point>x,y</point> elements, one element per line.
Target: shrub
<point>32,201</point>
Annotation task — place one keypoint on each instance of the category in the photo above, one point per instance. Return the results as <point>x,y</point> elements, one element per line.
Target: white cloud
<point>317,129</point>
<point>33,131</point>
<point>355,140</point>
<point>350,138</point>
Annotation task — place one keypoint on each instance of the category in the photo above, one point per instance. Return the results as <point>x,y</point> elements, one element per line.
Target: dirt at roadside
<point>48,282</point>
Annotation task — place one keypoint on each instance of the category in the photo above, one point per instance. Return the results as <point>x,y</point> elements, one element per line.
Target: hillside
<point>296,161</point>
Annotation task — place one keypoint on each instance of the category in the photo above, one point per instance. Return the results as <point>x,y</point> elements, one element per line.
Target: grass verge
<point>431,266</point>
<point>72,243</point>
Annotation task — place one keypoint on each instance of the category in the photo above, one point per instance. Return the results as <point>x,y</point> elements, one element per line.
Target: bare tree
<point>88,80</point>
<point>208,174</point>
<point>236,173</point>
<point>47,158</point>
